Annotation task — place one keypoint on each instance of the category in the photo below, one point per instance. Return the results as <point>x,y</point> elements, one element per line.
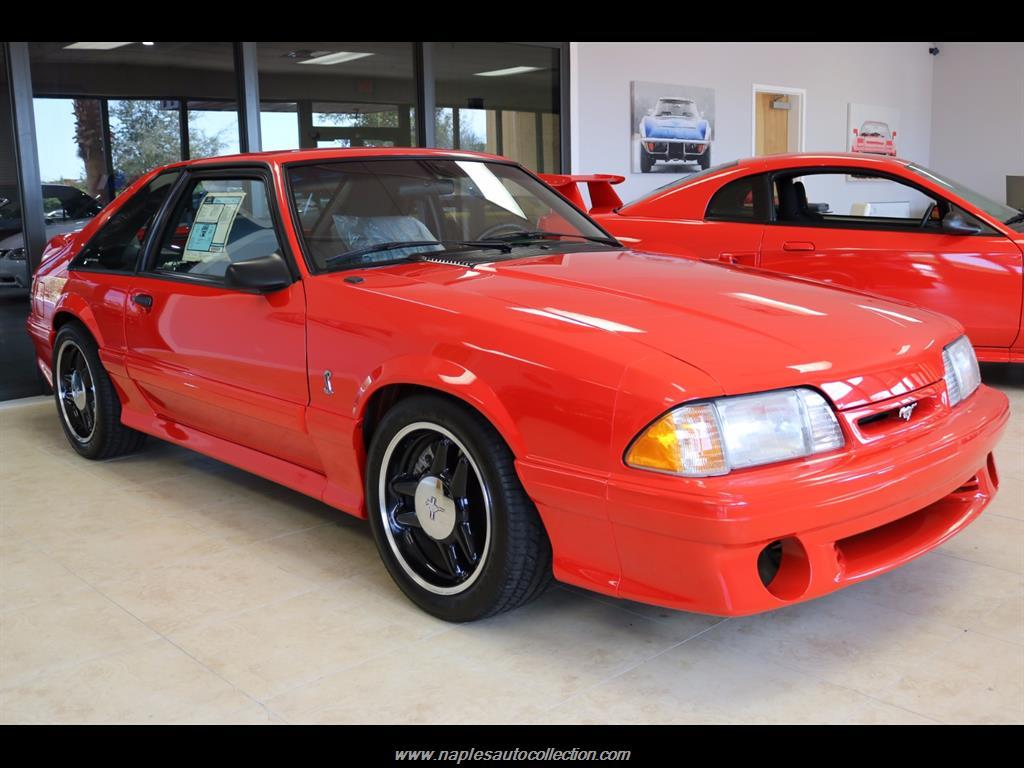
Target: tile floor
<point>167,587</point>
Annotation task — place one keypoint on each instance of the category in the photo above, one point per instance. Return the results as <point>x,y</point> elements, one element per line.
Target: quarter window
<point>734,201</point>
<point>117,245</point>
<point>217,222</point>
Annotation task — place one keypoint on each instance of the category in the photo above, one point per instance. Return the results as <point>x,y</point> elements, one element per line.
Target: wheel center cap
<point>434,510</point>
<point>78,391</point>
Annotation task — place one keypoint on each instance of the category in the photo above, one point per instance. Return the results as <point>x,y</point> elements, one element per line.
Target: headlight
<point>718,436</point>
<point>962,373</point>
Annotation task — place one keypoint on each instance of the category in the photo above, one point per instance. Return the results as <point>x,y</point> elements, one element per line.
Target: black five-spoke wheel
<point>76,392</point>
<point>451,520</point>
<point>436,508</point>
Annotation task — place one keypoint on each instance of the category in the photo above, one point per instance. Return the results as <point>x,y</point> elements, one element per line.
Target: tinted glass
<point>118,243</point>
<point>344,206</point>
<point>218,222</point>
<point>734,201</point>
<point>838,198</point>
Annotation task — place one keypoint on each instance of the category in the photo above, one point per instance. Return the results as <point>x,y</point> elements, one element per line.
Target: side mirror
<point>856,132</point>
<point>955,223</point>
<point>263,275</point>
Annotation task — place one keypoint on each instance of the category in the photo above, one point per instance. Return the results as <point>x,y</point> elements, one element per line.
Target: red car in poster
<point>874,138</point>
<point>878,225</point>
<point>439,342</point>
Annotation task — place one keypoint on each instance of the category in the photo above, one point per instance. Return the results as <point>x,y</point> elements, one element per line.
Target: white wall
<point>896,75</point>
<point>978,114</point>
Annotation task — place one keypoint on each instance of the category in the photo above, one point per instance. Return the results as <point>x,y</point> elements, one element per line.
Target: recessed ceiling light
<point>336,58</point>
<point>95,46</point>
<point>149,43</point>
<point>509,71</point>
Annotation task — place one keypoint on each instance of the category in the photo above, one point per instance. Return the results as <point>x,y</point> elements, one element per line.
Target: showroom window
<point>502,98</point>
<point>319,94</point>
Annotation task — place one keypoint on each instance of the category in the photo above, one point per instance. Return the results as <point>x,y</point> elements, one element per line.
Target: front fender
<point>444,376</point>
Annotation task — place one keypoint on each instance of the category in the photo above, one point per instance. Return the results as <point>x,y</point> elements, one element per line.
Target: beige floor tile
<point>990,540</point>
<point>1009,500</point>
<point>953,591</point>
<point>704,681</point>
<point>174,597</point>
<point>122,553</point>
<point>268,651</point>
<point>975,679</point>
<point>840,639</point>
<point>246,520</point>
<point>324,554</point>
<point>154,683</point>
<point>63,631</point>
<point>507,669</point>
<point>28,577</point>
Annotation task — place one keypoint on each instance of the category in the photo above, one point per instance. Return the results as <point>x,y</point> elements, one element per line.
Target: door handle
<point>144,300</point>
<point>797,245</point>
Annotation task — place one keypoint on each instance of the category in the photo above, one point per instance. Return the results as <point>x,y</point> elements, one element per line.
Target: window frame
<point>74,264</point>
<point>220,172</point>
<point>871,223</point>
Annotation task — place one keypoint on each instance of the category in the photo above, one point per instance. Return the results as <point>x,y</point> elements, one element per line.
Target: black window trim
<point>845,170</point>
<point>213,171</point>
<point>99,269</point>
<point>300,235</point>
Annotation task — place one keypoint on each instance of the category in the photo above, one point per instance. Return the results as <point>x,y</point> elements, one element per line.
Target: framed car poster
<point>672,127</point>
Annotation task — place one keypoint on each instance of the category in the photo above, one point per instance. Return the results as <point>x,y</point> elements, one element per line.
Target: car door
<point>227,362</point>
<point>878,233</point>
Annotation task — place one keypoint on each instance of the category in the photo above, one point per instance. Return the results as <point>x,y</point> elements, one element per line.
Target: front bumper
<point>694,544</point>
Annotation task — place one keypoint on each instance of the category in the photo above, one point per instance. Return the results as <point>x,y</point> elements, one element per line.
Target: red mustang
<point>880,225</point>
<point>441,343</point>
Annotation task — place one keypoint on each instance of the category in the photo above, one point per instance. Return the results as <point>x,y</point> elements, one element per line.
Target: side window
<point>735,201</point>
<point>846,200</point>
<point>116,246</point>
<point>217,222</point>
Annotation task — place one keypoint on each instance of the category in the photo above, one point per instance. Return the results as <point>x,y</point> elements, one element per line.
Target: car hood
<point>748,331</point>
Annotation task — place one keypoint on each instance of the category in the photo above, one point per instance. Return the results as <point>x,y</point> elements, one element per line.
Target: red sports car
<point>874,138</point>
<point>884,226</point>
<point>439,342</point>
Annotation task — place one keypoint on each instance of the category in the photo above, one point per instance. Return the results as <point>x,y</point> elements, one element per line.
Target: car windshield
<point>363,212</point>
<point>675,109</point>
<point>1003,213</point>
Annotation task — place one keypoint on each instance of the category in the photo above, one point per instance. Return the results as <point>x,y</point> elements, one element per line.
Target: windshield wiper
<point>352,257</point>
<point>541,234</point>
<point>1015,219</point>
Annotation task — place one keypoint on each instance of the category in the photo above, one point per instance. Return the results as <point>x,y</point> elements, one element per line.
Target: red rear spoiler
<point>603,198</point>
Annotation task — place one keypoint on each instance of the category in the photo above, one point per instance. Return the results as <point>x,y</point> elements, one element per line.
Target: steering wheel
<point>926,219</point>
<point>504,228</point>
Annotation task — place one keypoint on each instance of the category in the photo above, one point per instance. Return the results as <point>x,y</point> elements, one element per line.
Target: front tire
<point>452,523</point>
<point>87,403</point>
<point>704,159</point>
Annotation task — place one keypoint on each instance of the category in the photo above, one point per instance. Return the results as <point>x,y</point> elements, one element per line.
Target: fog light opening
<point>768,562</point>
<point>784,568</point>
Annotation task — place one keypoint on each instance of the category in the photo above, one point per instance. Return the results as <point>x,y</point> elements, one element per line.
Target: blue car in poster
<point>674,130</point>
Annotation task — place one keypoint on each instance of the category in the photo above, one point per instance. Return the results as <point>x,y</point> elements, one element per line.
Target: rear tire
<point>452,523</point>
<point>87,403</point>
<point>704,159</point>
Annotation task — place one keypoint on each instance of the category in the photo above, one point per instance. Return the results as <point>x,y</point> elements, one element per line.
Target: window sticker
<point>212,225</point>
